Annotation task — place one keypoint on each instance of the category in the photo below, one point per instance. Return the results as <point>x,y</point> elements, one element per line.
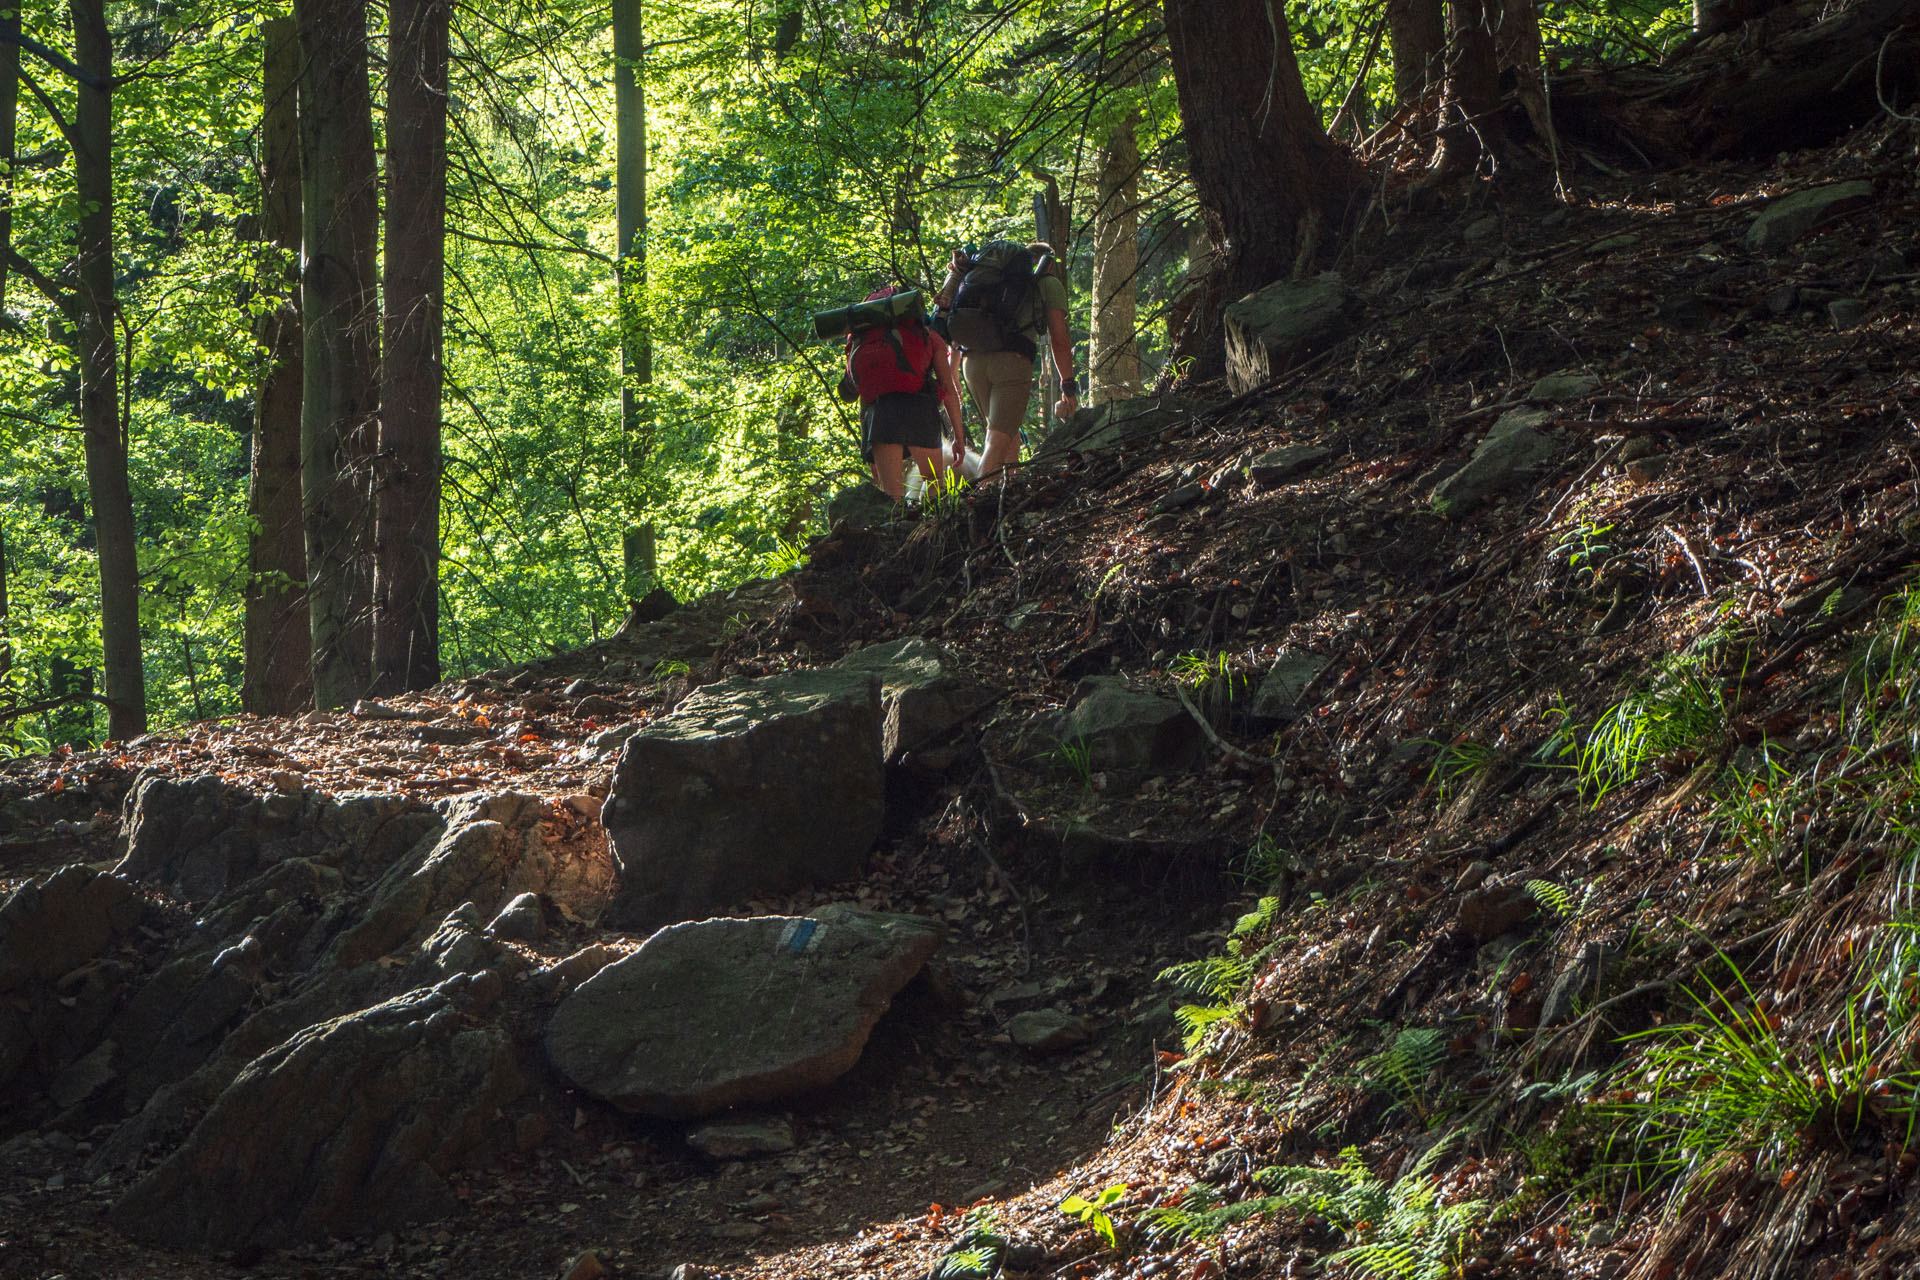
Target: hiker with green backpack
<point>997,305</point>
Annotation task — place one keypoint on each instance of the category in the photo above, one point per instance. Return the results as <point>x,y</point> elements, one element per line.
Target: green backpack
<point>995,301</point>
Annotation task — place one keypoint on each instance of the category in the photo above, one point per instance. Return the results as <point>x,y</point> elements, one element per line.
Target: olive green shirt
<point>1050,293</point>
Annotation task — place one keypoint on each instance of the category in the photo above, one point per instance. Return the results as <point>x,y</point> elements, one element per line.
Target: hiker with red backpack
<point>997,304</point>
<point>901,371</point>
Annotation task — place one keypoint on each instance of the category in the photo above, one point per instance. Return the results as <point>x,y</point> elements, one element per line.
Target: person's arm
<point>950,398</point>
<point>1063,361</point>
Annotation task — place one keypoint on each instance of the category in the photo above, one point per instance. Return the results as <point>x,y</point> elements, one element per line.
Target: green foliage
<point>1457,763</point>
<point>1406,1065</point>
<point>1585,549</point>
<point>1400,1229</point>
<point>1221,979</point>
<point>1202,673</point>
<point>1077,756</point>
<point>1681,712</point>
<point>1094,1214</point>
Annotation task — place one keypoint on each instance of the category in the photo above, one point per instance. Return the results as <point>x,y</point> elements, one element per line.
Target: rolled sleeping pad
<point>906,305</point>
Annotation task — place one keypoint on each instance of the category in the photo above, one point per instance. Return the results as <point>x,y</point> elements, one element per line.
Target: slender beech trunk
<point>1260,159</point>
<point>94,316</point>
<point>1518,47</point>
<point>6,621</point>
<point>630,218</point>
<point>340,345</point>
<point>1113,350</point>
<point>406,583</point>
<point>1418,32</point>
<point>9,118</point>
<point>276,679</point>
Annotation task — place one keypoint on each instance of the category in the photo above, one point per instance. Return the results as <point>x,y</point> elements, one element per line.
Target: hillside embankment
<point>1502,718</point>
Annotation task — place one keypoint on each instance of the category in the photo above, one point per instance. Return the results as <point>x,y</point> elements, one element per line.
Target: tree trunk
<point>275,679</point>
<point>1470,121</point>
<point>1260,159</point>
<point>1518,50</point>
<point>9,119</point>
<point>406,633</point>
<point>1113,350</point>
<point>339,406</point>
<point>6,621</point>
<point>94,308</point>
<point>630,218</point>
<point>1419,36</point>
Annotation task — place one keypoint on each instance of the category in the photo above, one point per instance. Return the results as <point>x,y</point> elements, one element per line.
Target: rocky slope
<point>1368,651</point>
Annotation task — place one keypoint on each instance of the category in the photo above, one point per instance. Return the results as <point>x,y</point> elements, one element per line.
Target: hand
<point>959,451</point>
<point>1068,405</point>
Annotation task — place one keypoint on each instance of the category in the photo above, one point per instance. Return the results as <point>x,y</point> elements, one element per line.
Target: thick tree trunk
<point>1260,160</point>
<point>95,305</point>
<point>1113,349</point>
<point>1774,85</point>
<point>406,633</point>
<point>630,219</point>
<point>1518,49</point>
<point>1418,33</point>
<point>1470,122</point>
<point>341,341</point>
<point>275,678</point>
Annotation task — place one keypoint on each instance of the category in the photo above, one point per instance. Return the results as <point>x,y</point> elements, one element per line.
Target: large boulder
<point>750,787</point>
<point>351,1126</point>
<point>1117,423</point>
<point>716,1013</point>
<point>1120,727</point>
<point>922,697</point>
<point>1272,329</point>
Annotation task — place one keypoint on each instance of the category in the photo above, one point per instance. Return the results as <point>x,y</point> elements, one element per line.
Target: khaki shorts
<point>1001,384</point>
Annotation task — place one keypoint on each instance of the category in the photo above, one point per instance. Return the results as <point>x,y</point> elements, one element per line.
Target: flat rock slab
<point>1512,451</point>
<point>1277,466</point>
<point>1792,216</point>
<point>740,1139</point>
<point>750,787</point>
<point>923,697</point>
<point>1278,697</point>
<point>719,1013</point>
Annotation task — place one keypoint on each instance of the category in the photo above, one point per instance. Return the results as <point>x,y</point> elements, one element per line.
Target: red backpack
<point>890,358</point>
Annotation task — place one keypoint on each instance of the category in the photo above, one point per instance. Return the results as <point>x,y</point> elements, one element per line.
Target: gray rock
<point>1481,229</point>
<point>1576,984</point>
<point>1121,727</point>
<point>522,920</point>
<point>1049,1030</point>
<point>1116,423</point>
<point>1612,244</point>
<point>1562,386</point>
<point>750,787</point>
<point>1788,218</point>
<point>1783,299</point>
<point>1179,499</point>
<point>608,741</point>
<point>1272,329</point>
<point>862,506</point>
<point>349,1127</point>
<point>1512,451</point>
<point>922,696</point>
<point>49,929</point>
<point>1846,313</point>
<point>1277,466</point>
<point>720,1013</point>
<point>1277,700</point>
<point>740,1139</point>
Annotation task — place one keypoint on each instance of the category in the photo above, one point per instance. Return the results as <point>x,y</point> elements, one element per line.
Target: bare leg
<point>933,467</point>
<point>888,463</point>
<point>1002,447</point>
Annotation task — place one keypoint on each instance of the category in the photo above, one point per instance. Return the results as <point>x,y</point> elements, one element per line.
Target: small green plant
<point>1077,756</point>
<point>941,497</point>
<point>979,1251</point>
<point>669,669</point>
<point>1094,1212</point>
<point>1683,710</point>
<point>1400,1229</point>
<point>1221,979</point>
<point>784,558</point>
<point>1585,549</point>
<point>1559,899</point>
<point>1403,1068</point>
<point>1264,862</point>
<point>1457,763</point>
<point>1201,673</point>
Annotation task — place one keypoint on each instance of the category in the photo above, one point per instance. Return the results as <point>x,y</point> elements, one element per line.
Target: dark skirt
<point>904,418</point>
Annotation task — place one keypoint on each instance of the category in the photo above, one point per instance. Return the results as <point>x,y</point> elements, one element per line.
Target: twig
<point>1226,748</point>
<point>1692,559</point>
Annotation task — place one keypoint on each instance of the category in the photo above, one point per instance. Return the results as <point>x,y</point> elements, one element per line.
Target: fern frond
<point>1554,897</point>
